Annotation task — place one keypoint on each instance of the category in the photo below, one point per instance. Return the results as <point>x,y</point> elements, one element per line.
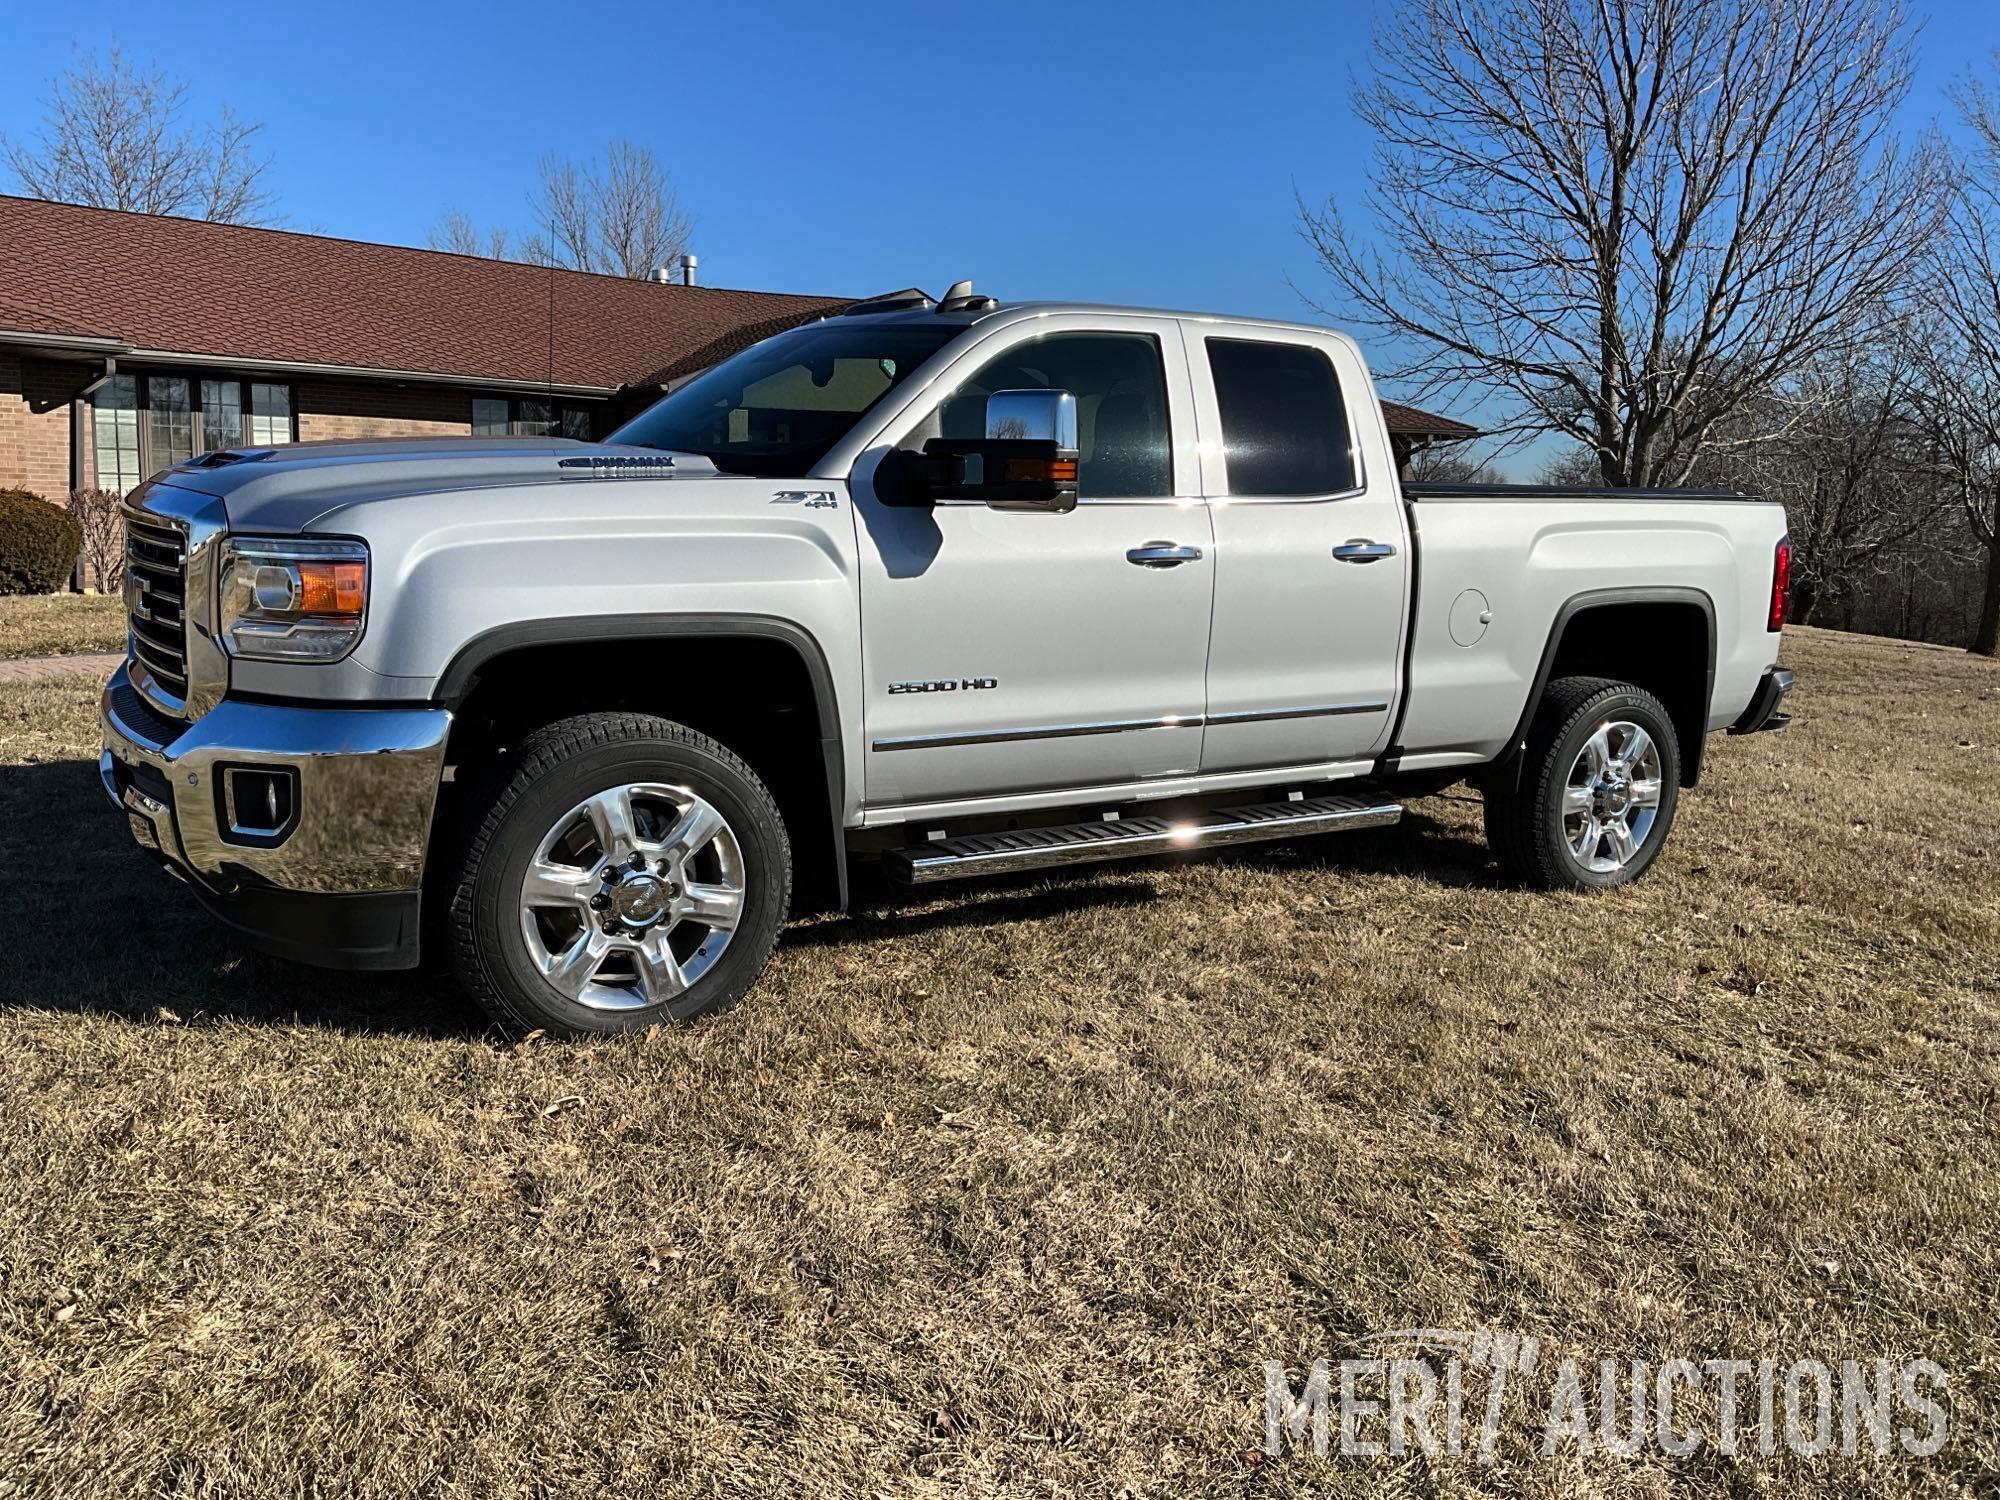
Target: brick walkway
<point>37,668</point>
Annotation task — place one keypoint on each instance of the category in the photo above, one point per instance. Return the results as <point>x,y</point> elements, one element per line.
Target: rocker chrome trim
<point>1120,726</point>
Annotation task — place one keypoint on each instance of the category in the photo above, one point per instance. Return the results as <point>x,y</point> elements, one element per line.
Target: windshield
<point>776,408</point>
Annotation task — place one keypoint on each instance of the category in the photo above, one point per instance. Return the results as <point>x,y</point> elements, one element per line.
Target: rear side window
<point>1284,426</point>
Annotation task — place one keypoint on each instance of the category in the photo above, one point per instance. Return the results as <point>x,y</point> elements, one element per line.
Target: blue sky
<point>1121,152</point>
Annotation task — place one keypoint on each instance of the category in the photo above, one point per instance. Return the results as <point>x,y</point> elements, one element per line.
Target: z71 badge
<point>946,685</point>
<point>810,499</point>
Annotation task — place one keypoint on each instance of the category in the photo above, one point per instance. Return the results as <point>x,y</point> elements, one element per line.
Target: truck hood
<point>289,489</point>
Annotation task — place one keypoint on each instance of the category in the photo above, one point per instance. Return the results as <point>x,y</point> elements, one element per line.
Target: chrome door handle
<point>1163,555</point>
<point>1361,550</point>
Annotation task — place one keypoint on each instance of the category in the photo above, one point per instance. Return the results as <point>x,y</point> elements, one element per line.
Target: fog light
<point>259,805</point>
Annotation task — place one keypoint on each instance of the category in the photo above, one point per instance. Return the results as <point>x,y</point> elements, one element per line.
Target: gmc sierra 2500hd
<point>960,586</point>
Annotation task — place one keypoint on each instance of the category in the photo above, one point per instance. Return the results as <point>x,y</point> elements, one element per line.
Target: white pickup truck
<point>955,586</point>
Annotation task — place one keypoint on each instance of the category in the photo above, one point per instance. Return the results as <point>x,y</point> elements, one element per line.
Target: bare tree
<point>455,231</point>
<point>1443,463</point>
<point>100,514</point>
<point>623,219</point>
<point>1842,447</point>
<point>1961,350</point>
<point>113,136</point>
<point>1620,220</point>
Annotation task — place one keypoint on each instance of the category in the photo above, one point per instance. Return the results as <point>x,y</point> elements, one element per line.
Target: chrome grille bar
<point>156,600</point>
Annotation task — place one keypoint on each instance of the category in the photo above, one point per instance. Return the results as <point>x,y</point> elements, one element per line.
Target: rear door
<point>1008,652</point>
<point>1312,564</point>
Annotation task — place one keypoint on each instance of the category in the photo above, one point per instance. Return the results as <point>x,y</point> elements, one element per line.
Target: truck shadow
<point>94,926</point>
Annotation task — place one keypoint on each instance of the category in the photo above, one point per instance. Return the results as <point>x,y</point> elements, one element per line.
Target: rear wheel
<point>1598,786</point>
<point>622,870</point>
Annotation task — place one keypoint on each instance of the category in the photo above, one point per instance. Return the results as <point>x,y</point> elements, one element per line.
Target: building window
<point>221,414</point>
<point>145,423</point>
<point>489,416</point>
<point>116,428</point>
<point>532,416</point>
<point>270,414</point>
<point>169,421</point>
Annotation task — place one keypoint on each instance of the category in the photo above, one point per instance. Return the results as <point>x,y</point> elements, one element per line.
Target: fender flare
<point>1509,761</point>
<point>457,679</point>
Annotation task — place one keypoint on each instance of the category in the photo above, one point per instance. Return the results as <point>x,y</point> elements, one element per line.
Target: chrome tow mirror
<point>1026,461</point>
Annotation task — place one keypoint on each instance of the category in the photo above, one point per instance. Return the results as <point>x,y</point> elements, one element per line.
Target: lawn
<point>60,624</point>
<point>1013,1190</point>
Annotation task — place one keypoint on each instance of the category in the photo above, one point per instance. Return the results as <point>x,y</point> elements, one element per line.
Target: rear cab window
<point>1284,425</point>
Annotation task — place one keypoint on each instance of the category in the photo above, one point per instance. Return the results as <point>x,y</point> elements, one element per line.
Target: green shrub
<point>38,544</point>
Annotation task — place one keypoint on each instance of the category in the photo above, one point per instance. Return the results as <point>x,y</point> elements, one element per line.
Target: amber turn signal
<point>1041,471</point>
<point>332,588</point>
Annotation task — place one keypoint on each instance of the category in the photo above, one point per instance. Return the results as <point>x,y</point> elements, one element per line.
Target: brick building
<point>131,341</point>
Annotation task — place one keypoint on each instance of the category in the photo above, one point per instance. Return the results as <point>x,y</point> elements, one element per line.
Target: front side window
<point>1124,445</point>
<point>779,406</point>
<point>1284,426</point>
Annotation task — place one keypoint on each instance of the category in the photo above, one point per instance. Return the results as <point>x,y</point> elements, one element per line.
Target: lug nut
<point>638,861</point>
<point>600,901</point>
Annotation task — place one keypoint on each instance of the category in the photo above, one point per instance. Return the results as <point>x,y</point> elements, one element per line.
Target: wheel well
<point>755,694</point>
<point>1665,646</point>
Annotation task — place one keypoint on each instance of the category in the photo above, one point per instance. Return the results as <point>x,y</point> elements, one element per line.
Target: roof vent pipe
<point>689,261</point>
<point>662,274</point>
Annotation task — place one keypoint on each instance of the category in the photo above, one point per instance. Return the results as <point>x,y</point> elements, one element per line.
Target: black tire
<point>554,770</point>
<point>1524,819</point>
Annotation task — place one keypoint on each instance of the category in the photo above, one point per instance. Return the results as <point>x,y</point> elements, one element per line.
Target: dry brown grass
<point>1013,1190</point>
<point>60,624</point>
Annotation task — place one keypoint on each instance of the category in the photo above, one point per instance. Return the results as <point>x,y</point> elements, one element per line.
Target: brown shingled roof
<point>1408,421</point>
<point>186,287</point>
<point>180,286</point>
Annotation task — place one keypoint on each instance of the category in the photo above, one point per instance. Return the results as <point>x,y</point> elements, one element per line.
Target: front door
<point>1312,559</point>
<point>1008,652</point>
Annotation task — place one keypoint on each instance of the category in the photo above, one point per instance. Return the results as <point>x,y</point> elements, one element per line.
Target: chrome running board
<point>1129,838</point>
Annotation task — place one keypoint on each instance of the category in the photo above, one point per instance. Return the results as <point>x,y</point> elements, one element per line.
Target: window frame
<point>1223,486</point>
<point>195,377</point>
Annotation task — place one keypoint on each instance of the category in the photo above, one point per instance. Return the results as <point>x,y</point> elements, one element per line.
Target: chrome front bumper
<point>367,787</point>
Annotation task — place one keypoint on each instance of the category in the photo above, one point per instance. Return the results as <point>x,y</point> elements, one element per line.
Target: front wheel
<point>1598,786</point>
<point>622,870</point>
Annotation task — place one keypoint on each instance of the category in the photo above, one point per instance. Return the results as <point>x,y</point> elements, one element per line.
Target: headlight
<point>293,598</point>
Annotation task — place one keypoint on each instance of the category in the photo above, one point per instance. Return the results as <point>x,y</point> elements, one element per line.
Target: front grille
<point>142,719</point>
<point>156,601</point>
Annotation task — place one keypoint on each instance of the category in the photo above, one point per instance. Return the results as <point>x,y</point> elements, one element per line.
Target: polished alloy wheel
<point>632,896</point>
<point>1612,797</point>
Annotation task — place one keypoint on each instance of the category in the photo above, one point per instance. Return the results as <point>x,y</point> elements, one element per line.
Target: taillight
<point>1781,583</point>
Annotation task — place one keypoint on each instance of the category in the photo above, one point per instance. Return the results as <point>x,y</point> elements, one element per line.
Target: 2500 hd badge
<point>946,685</point>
